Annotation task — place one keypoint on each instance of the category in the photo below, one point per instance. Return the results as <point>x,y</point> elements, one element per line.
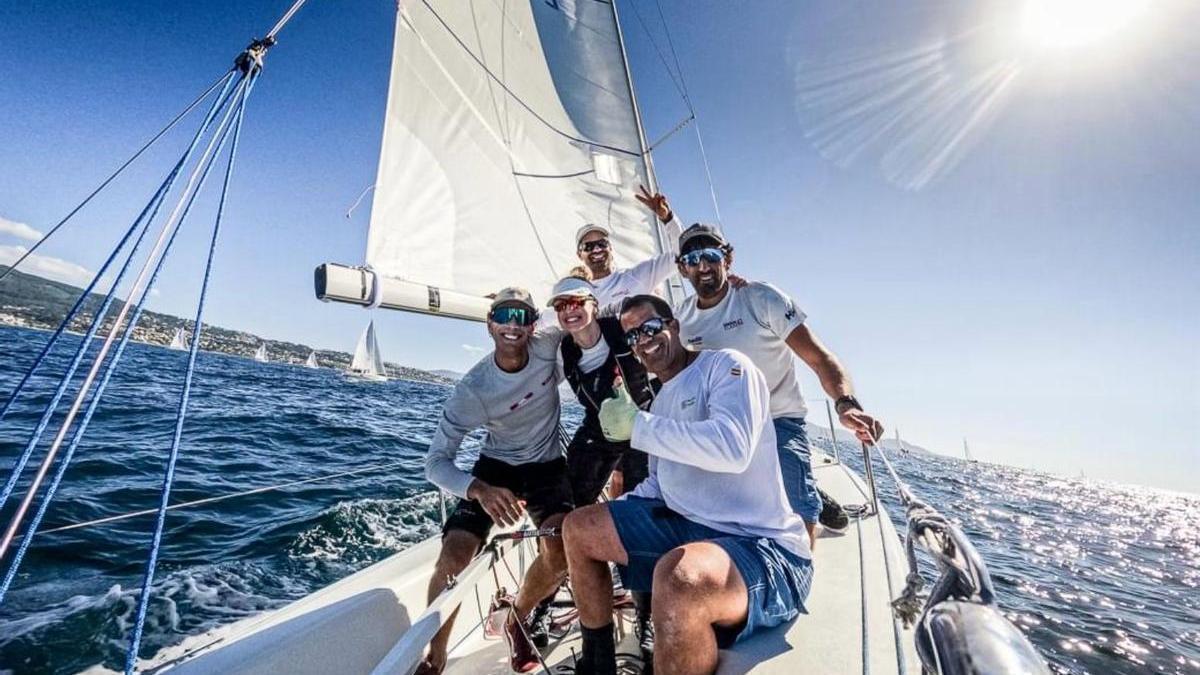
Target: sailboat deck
<point>350,626</point>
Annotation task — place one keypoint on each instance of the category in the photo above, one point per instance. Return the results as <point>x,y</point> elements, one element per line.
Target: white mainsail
<point>509,125</point>
<point>311,361</point>
<point>260,354</point>
<point>177,341</point>
<point>368,361</point>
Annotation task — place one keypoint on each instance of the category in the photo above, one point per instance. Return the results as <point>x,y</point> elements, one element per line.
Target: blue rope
<point>227,77</point>
<point>110,368</point>
<point>169,475</point>
<point>98,319</point>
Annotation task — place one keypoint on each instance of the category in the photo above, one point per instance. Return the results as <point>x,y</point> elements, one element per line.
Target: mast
<point>663,246</point>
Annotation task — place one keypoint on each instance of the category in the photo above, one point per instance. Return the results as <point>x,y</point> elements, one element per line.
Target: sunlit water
<point>1102,578</point>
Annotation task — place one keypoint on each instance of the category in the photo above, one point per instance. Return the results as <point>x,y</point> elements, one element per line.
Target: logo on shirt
<point>736,371</point>
<point>687,403</point>
<point>730,325</point>
<point>790,313</point>
<point>695,340</point>
<point>524,399</point>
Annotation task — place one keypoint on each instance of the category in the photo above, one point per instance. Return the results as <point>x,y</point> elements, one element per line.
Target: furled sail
<point>509,125</point>
<point>367,358</point>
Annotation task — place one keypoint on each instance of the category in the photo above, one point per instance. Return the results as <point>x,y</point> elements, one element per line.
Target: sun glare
<point>1060,24</point>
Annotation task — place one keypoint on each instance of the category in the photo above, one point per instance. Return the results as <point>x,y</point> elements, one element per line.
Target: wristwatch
<point>846,403</point>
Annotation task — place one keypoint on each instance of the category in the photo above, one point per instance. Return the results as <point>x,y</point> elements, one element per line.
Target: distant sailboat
<point>260,354</point>
<point>967,453</point>
<point>368,362</point>
<point>311,361</point>
<point>177,341</point>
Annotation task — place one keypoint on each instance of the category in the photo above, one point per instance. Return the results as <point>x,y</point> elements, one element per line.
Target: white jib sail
<point>177,341</point>
<point>367,358</point>
<point>311,361</point>
<point>260,354</point>
<point>509,125</point>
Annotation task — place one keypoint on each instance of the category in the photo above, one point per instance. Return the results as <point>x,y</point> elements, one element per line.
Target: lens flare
<point>1063,24</point>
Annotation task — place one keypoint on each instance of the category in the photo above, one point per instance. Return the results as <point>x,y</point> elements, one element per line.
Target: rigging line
<point>221,498</point>
<point>173,458</point>
<point>511,93</point>
<point>97,320</point>
<point>224,78</point>
<point>662,57</point>
<point>93,402</point>
<point>712,190</point>
<point>138,290</point>
<point>283,20</point>
<point>548,175</point>
<point>901,664</point>
<point>682,123</point>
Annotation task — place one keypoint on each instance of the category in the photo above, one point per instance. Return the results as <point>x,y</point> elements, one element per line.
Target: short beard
<point>708,290</point>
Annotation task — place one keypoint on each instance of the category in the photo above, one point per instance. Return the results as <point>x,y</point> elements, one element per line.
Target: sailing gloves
<point>617,415</point>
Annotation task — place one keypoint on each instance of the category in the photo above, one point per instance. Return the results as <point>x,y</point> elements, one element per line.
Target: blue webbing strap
<point>97,321</point>
<point>93,402</point>
<point>169,474</point>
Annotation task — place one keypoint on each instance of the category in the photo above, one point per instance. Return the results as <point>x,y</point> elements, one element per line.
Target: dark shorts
<point>543,486</point>
<point>777,580</point>
<point>591,459</point>
<point>795,462</point>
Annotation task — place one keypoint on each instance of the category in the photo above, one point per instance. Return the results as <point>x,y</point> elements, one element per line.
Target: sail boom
<point>342,283</point>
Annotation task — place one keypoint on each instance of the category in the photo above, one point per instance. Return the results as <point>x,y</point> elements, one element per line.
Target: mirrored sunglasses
<point>711,256</point>
<point>649,328</point>
<point>521,316</point>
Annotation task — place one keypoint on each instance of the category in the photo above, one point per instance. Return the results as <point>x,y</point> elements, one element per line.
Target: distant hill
<point>449,374</point>
<point>819,437</point>
<point>35,302</point>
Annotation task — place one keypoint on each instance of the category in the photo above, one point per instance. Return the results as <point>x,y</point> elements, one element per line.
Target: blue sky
<point>998,237</point>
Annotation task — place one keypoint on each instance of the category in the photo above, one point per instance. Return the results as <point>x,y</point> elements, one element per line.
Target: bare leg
<point>812,534</point>
<point>696,587</point>
<point>458,547</point>
<point>592,542</point>
<point>545,573</point>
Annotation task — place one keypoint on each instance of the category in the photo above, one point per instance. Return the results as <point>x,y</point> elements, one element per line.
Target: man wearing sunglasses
<point>763,323</point>
<point>594,248</point>
<point>512,394</point>
<point>711,528</point>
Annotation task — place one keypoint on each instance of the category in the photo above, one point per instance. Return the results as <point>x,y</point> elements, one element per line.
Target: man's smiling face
<point>510,338</point>
<point>657,353</point>
<point>599,258</point>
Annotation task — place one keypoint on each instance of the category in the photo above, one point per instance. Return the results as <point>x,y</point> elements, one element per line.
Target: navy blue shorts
<point>795,462</point>
<point>777,580</point>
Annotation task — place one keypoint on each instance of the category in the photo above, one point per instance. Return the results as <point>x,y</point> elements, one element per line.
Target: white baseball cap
<point>589,228</point>
<point>572,287</point>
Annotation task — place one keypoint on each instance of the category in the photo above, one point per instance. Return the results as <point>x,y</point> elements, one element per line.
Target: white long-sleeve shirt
<point>712,451</point>
<point>644,277</point>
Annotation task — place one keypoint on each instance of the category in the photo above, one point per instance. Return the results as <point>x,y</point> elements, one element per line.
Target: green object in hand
<point>617,415</point>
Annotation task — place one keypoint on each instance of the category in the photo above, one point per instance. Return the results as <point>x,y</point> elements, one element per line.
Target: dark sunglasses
<point>598,245</point>
<point>518,315</point>
<point>711,256</point>
<point>649,328</point>
<point>573,303</point>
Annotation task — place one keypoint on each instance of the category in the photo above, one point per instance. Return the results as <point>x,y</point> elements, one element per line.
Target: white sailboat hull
<point>352,625</point>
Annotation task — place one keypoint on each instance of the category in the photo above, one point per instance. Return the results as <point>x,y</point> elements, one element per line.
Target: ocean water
<point>1102,578</point>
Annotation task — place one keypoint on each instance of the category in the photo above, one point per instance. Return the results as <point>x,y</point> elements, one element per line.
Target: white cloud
<point>46,266</point>
<point>475,350</point>
<point>18,230</point>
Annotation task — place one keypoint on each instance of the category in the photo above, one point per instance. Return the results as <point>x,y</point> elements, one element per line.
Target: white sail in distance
<point>177,341</point>
<point>260,354</point>
<point>311,361</point>
<point>509,125</point>
<point>368,361</point>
